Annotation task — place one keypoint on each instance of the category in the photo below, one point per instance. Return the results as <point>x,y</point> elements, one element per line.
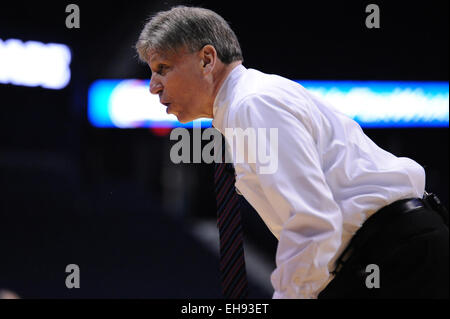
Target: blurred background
<point>98,190</point>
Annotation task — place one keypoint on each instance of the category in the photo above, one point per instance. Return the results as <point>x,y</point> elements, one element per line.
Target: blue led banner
<point>129,104</point>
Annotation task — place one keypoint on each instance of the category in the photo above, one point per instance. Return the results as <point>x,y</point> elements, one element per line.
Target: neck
<point>219,78</point>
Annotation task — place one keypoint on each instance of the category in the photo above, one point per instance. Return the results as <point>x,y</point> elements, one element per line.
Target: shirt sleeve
<point>299,194</point>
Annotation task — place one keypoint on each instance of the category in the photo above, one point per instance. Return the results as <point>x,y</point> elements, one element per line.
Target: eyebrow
<point>158,60</point>
<point>158,65</point>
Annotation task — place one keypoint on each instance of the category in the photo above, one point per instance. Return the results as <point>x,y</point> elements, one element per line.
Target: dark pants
<point>411,251</point>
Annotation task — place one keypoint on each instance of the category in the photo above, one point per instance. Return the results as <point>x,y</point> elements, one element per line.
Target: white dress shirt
<point>331,177</point>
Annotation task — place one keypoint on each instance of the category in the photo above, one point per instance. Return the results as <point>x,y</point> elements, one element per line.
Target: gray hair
<point>189,27</point>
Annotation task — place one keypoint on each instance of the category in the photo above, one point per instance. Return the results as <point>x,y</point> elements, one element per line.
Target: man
<point>330,179</point>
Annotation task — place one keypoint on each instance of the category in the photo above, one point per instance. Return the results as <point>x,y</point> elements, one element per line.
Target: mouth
<point>167,107</point>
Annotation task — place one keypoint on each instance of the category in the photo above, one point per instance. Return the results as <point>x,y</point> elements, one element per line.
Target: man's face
<point>178,79</point>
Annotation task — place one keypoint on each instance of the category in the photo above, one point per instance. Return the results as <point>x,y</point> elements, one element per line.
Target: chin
<point>181,119</point>
<point>185,120</point>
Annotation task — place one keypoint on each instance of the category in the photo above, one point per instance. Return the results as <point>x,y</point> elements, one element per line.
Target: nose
<point>155,86</point>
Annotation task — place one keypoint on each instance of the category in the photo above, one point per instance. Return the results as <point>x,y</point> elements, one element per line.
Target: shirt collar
<point>225,96</point>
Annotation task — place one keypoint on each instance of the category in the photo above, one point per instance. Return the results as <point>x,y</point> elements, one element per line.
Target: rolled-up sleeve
<point>299,195</point>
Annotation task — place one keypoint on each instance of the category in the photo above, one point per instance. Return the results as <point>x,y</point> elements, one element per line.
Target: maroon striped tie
<point>232,261</point>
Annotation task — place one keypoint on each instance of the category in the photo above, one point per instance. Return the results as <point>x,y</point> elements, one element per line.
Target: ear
<point>208,55</point>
